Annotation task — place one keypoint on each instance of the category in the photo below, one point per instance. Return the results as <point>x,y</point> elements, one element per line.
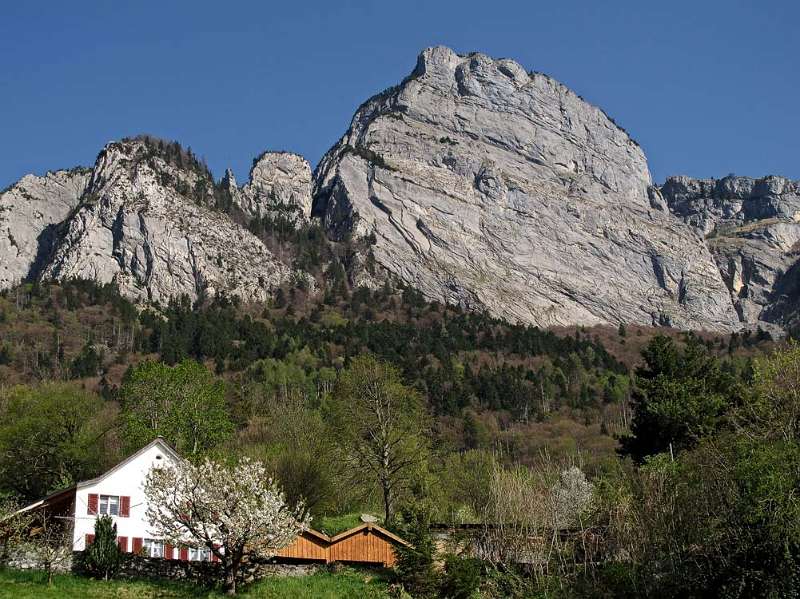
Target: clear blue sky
<point>707,87</point>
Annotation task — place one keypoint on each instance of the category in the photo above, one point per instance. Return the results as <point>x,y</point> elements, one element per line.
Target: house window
<point>153,548</point>
<point>109,504</point>
<point>202,554</point>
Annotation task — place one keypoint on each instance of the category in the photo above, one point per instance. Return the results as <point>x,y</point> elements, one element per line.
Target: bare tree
<point>535,515</point>
<point>50,542</point>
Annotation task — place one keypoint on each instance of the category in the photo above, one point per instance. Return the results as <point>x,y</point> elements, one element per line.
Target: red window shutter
<point>92,505</point>
<point>89,540</point>
<point>168,551</point>
<point>123,543</point>
<point>137,544</point>
<point>124,506</point>
<point>214,557</point>
<point>184,553</point>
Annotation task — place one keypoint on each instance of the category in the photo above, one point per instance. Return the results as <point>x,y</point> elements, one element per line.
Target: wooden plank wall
<point>306,546</point>
<point>364,546</point>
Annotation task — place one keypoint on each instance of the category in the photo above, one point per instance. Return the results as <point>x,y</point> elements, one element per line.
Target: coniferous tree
<point>103,554</point>
<point>681,396</point>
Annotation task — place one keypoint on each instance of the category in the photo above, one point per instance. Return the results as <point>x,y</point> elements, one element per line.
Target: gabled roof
<point>369,526</point>
<point>350,532</point>
<point>315,533</point>
<point>160,441</point>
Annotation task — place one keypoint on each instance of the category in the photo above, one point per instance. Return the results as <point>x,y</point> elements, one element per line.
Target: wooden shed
<point>367,543</point>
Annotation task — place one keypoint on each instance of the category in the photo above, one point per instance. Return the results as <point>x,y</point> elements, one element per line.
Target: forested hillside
<point>603,437</point>
<point>489,385</point>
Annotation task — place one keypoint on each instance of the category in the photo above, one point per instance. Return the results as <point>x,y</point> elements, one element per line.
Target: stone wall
<point>207,573</point>
<point>26,559</point>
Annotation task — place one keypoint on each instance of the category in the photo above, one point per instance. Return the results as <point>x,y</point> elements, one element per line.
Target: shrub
<point>103,555</point>
<point>462,577</point>
<point>414,566</point>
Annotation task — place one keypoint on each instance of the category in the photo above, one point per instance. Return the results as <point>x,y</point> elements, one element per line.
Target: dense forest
<point>488,384</point>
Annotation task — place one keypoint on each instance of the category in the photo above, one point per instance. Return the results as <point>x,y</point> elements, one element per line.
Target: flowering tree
<point>235,511</point>
<point>570,498</point>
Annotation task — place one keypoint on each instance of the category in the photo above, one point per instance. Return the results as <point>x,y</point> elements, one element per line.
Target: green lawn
<point>323,585</point>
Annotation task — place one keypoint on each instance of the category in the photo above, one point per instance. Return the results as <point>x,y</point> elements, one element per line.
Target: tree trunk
<point>387,504</point>
<point>230,579</point>
<point>386,485</point>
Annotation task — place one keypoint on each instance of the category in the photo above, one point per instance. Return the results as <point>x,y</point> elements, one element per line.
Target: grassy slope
<point>348,583</point>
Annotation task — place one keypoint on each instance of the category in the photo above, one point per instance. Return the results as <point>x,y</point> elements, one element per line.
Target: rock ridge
<point>752,228</point>
<point>143,218</point>
<point>474,180</point>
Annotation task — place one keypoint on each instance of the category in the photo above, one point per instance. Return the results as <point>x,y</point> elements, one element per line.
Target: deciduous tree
<point>50,436</point>
<point>236,512</point>
<point>772,409</point>
<point>50,542</point>
<point>185,404</point>
<point>381,425</point>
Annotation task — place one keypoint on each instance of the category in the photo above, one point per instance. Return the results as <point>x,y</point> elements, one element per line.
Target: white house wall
<point>125,480</point>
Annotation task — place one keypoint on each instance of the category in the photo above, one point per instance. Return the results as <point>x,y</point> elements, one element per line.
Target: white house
<point>120,494</point>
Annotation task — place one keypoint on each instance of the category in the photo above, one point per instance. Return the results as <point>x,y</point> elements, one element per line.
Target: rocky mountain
<point>752,228</point>
<point>502,190</point>
<point>279,182</point>
<point>30,211</point>
<point>142,218</point>
<point>473,180</point>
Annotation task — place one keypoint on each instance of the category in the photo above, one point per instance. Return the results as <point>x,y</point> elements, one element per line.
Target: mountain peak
<point>489,187</point>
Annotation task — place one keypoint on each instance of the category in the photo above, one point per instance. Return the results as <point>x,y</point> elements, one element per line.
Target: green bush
<point>462,577</point>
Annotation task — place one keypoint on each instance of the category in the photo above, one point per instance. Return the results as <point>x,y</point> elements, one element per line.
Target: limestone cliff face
<point>30,210</point>
<point>752,227</point>
<point>141,221</point>
<point>473,180</point>
<point>498,189</point>
<point>279,182</point>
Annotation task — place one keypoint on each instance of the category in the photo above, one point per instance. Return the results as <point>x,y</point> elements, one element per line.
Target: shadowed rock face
<point>30,211</point>
<point>502,190</point>
<point>752,228</point>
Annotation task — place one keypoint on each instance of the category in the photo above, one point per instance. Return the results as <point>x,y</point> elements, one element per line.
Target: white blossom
<point>571,497</point>
<point>234,511</point>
